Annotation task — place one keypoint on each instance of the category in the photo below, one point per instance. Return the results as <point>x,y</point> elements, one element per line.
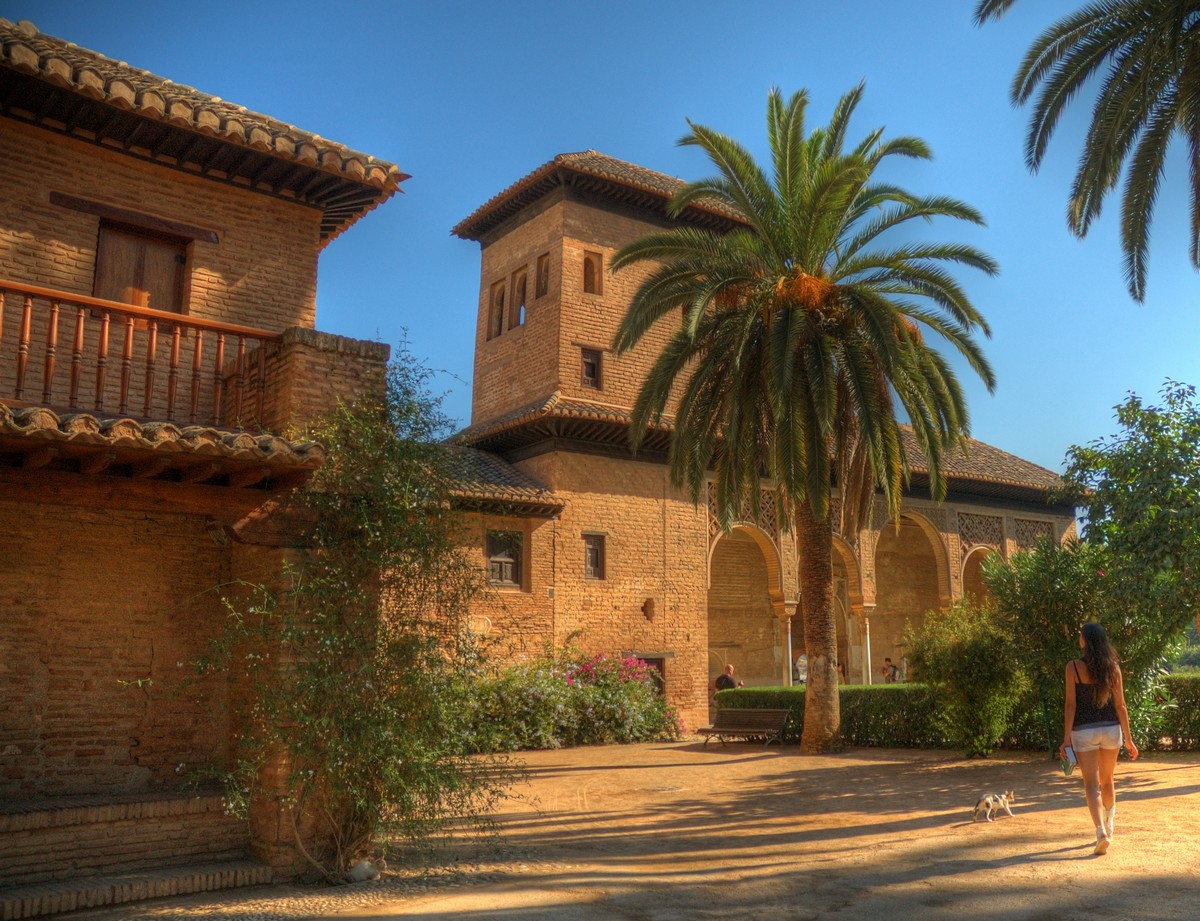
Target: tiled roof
<point>598,173</point>
<point>480,477</point>
<point>63,65</point>
<point>37,437</point>
<point>982,463</point>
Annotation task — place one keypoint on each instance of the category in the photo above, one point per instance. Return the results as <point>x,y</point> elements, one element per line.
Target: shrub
<point>1181,730</point>
<point>879,716</point>
<point>969,658</point>
<point>571,699</point>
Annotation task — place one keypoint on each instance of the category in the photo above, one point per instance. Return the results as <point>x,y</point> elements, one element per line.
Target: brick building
<point>158,267</point>
<point>580,537</point>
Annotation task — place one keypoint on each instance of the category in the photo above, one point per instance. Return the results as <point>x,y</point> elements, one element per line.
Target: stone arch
<point>912,576</point>
<point>770,558</point>
<point>972,573</point>
<point>745,599</point>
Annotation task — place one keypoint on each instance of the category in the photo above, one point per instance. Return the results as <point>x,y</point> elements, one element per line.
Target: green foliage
<point>1140,59</point>
<point>1044,596</point>
<point>356,672</point>
<point>570,699</point>
<point>1141,492</point>
<point>878,716</point>
<point>971,661</point>
<point>1181,729</point>
<point>916,716</point>
<point>807,331</point>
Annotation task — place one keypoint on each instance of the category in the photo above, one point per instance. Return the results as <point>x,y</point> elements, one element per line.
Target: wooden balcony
<point>76,354</point>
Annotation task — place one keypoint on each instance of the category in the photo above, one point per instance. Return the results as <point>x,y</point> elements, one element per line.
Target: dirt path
<point>677,831</point>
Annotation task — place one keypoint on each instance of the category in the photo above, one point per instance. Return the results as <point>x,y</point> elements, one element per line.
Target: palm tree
<point>800,335</point>
<point>1149,53</point>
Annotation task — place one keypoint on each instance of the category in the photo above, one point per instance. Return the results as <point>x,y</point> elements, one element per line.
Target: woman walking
<point>1095,721</point>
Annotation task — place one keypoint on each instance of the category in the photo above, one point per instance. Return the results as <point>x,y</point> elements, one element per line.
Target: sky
<point>468,97</point>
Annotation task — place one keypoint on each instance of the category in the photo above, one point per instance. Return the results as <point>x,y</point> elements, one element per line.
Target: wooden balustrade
<point>31,338</point>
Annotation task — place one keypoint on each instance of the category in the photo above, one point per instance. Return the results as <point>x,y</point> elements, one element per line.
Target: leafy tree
<point>1140,490</point>
<point>357,673</point>
<point>1043,597</point>
<point>801,333</point>
<point>1147,54</point>
<point>971,659</point>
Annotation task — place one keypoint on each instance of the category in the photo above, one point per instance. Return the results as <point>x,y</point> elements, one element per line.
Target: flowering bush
<point>571,699</point>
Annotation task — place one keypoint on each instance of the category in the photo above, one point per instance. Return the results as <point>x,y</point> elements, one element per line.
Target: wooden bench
<point>740,723</point>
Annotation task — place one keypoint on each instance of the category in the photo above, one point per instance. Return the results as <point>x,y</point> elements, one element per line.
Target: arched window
<point>543,275</point>
<point>591,273</point>
<point>496,313</point>
<point>516,314</point>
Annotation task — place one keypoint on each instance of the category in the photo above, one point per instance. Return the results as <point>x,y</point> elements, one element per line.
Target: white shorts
<point>1094,738</point>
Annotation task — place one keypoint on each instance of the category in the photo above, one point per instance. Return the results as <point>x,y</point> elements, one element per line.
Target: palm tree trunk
<point>822,713</point>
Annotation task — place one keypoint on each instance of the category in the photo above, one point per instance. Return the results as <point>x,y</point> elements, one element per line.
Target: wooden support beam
<point>148,468</point>
<point>248,476</point>
<point>91,464</point>
<point>198,473</point>
<point>39,457</point>
<point>291,480</point>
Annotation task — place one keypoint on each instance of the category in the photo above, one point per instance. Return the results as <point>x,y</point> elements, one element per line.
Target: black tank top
<point>1086,712</point>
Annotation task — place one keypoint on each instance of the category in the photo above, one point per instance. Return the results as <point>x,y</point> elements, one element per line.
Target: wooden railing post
<point>173,371</point>
<point>126,366</point>
<point>218,377</point>
<point>151,358</point>
<point>197,368</point>
<point>102,361</point>
<point>51,355</point>
<point>77,356</point>
<point>23,345</point>
<point>139,323</point>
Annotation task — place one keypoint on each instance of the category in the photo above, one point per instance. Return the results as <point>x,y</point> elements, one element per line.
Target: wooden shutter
<point>140,269</point>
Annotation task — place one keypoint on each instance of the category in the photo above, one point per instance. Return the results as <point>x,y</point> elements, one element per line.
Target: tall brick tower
<point>548,303</point>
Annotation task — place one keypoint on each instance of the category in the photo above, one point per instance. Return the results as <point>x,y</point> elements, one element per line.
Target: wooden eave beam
<point>39,457</point>
<point>248,476</point>
<point>98,462</point>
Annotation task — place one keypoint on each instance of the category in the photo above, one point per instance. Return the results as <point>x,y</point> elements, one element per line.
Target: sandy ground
<point>668,832</point>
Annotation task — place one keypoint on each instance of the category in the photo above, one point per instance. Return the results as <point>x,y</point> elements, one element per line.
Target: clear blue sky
<point>470,96</point>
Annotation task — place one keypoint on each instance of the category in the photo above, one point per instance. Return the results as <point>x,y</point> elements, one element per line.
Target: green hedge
<point>1182,729</point>
<point>906,716</point>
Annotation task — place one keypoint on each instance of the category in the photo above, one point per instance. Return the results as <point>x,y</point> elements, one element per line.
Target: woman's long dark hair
<point>1101,660</point>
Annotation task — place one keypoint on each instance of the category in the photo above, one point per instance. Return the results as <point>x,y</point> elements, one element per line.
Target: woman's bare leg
<point>1089,770</point>
<point>1106,763</point>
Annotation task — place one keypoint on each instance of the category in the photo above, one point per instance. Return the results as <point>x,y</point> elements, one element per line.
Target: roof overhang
<point>60,87</point>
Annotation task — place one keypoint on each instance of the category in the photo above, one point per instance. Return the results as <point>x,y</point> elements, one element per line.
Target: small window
<point>543,275</point>
<point>591,273</point>
<point>590,376</point>
<point>504,557</point>
<point>516,313</point>
<point>593,556</point>
<point>140,268</point>
<point>496,312</point>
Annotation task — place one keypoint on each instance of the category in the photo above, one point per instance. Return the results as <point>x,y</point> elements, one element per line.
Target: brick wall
<point>96,600</point>
<point>742,628</point>
<point>307,373</point>
<point>518,367</point>
<point>262,272</point>
<point>907,573</point>
<point>543,355</point>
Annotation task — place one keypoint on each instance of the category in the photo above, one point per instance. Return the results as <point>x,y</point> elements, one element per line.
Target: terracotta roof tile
<point>982,463</point>
<point>480,476</point>
<point>63,64</point>
<point>77,436</point>
<point>609,174</point>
